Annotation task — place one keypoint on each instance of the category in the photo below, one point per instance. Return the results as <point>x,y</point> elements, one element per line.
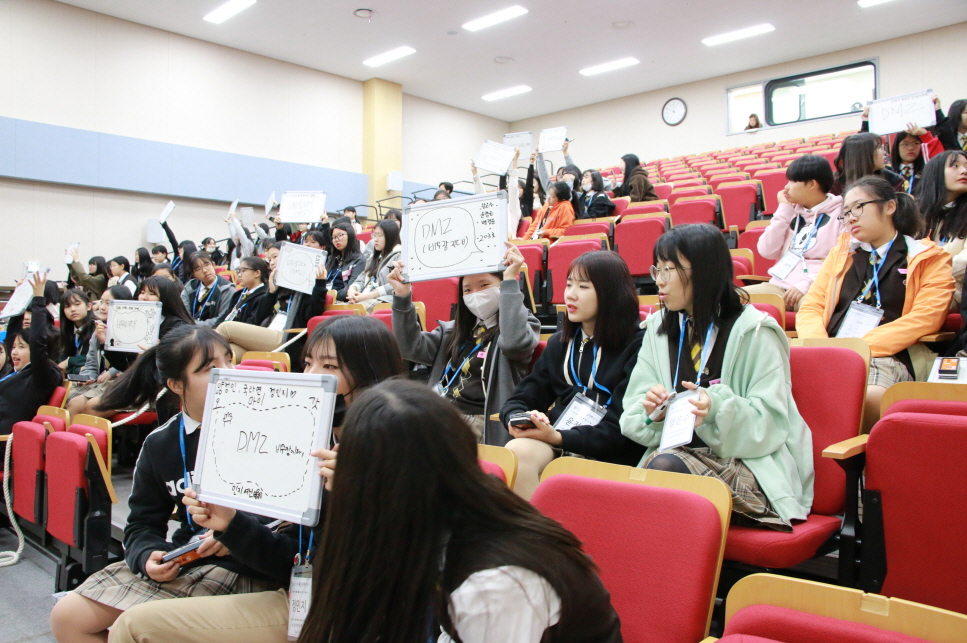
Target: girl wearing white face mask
<point>477,359</point>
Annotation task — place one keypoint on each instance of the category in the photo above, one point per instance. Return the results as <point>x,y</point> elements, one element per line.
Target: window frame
<point>770,86</point>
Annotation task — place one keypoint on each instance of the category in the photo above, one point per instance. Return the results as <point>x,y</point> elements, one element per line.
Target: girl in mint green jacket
<point>731,362</point>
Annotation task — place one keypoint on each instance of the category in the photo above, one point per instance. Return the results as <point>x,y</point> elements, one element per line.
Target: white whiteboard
<point>302,207</point>
<point>889,115</point>
<point>132,326</point>
<point>524,141</point>
<point>255,440</point>
<point>296,267</point>
<point>494,157</point>
<point>455,237</point>
<point>19,301</point>
<point>552,139</point>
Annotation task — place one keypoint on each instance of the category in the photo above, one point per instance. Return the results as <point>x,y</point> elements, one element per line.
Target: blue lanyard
<point>913,177</point>
<point>176,263</point>
<point>238,308</point>
<point>594,371</point>
<point>184,463</point>
<point>77,344</point>
<point>877,267</point>
<point>457,373</point>
<point>812,233</point>
<point>706,352</point>
<point>194,300</point>
<point>9,376</point>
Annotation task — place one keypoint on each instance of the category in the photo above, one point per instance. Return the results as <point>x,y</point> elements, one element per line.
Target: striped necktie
<point>696,349</point>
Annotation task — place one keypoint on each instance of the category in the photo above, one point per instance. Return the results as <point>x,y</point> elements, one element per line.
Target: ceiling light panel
<point>224,12</point>
<point>611,66</point>
<point>495,18</point>
<point>506,93</point>
<point>389,56</point>
<point>870,3</point>
<point>738,35</point>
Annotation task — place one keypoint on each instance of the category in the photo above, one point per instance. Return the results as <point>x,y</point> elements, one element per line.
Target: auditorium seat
<point>635,240</point>
<point>664,190</point>
<point>645,207</point>
<point>750,240</point>
<point>924,392</point>
<point>679,193</point>
<point>589,228</point>
<point>57,417</point>
<point>620,204</point>
<point>559,258</point>
<point>277,360</point>
<point>769,309</point>
<point>29,439</point>
<point>740,202</point>
<point>385,315</point>
<point>688,183</point>
<point>58,397</point>
<point>502,458</point>
<point>703,208</point>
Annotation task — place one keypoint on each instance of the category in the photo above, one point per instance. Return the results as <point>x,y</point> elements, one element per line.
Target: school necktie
<point>696,349</point>
<point>963,141</point>
<point>907,172</point>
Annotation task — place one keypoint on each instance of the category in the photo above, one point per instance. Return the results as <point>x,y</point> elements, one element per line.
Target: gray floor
<point>26,595</point>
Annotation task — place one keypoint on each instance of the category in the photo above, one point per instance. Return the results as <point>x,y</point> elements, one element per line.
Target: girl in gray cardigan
<point>477,359</point>
<point>372,286</point>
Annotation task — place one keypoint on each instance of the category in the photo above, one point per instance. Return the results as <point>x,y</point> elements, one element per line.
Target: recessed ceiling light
<point>365,14</point>
<point>227,10</point>
<point>615,64</point>
<point>389,56</point>
<point>495,18</point>
<point>622,24</point>
<point>738,35</point>
<point>870,3</point>
<point>503,60</point>
<point>505,93</point>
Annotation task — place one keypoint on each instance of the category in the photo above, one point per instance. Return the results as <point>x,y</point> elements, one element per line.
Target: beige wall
<point>605,131</point>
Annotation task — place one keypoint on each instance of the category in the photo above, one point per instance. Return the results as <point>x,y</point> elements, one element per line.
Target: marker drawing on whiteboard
<point>445,237</point>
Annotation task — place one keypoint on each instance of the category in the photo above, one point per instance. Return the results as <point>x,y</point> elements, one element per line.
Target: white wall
<point>605,131</point>
<point>439,141</point>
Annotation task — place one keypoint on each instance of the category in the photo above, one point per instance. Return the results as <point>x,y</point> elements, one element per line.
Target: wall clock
<point>674,111</point>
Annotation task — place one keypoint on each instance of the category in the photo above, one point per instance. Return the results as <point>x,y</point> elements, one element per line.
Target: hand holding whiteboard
<point>297,265</point>
<point>455,237</point>
<point>256,438</point>
<point>132,326</point>
<point>889,115</point>
<point>552,139</point>
<point>494,157</point>
<point>302,207</point>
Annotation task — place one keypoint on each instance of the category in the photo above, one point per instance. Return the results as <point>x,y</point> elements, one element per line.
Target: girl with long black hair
<point>862,155</point>
<point>345,261</point>
<point>952,132</point>
<point>94,280</point>
<point>942,199</point>
<point>635,183</point>
<point>372,286</point>
<point>76,329</point>
<point>143,264</point>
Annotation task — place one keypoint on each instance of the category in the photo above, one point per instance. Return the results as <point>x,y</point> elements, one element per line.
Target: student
<point>245,305</point>
<point>864,155</point>
<point>441,195</point>
<point>803,230</point>
<point>207,295</point>
<point>952,132</point>
<point>510,183</point>
<point>477,359</point>
<point>345,262</point>
<point>142,265</point>
<point>6,366</point>
<point>372,286</point>
<point>588,359</point>
<point>748,431</point>
<point>571,175</point>
<point>34,375</point>
<point>635,183</point>
<point>360,352</point>
<point>94,280</point>
<point>555,216</point>
<point>182,251</point>
<point>159,254</point>
<point>448,187</point>
<point>907,154</point>
<point>754,122</point>
<point>942,199</point>
<point>596,203</point>
<point>120,268</point>
<point>180,367</point>
<point>350,211</point>
<point>76,329</point>
<point>165,270</point>
<point>240,245</point>
<point>909,282</point>
<point>533,194</point>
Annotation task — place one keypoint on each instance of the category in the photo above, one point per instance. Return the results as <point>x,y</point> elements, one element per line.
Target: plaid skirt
<point>750,506</point>
<point>887,371</point>
<point>118,587</point>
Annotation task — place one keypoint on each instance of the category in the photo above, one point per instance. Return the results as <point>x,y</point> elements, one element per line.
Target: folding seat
<point>786,159</point>
<point>502,458</point>
<point>663,190</point>
<point>718,179</point>
<point>750,239</point>
<point>522,227</point>
<point>768,309</point>
<point>927,393</point>
<point>745,258</point>
<point>741,202</point>
<point>830,155</point>
<point>364,237</point>
<point>635,240</point>
<point>678,193</point>
<point>773,181</point>
<point>255,367</point>
<point>758,167</point>
<point>29,482</point>
<point>645,207</point>
<point>278,360</point>
<point>589,228</point>
<point>696,209</point>
<point>637,524</point>
<point>687,183</point>
<point>56,417</point>
<point>620,204</point>
<point>535,258</point>
<point>559,258</point>
<point>58,397</point>
<point>439,296</point>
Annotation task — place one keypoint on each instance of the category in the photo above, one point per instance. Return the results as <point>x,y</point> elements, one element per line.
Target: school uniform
<point>896,181</point>
<point>597,205</point>
<point>22,392</point>
<point>244,307</point>
<point>75,352</point>
<point>346,272</point>
<point>129,282</point>
<point>378,282</point>
<point>552,382</point>
<point>93,285</point>
<point>207,305</point>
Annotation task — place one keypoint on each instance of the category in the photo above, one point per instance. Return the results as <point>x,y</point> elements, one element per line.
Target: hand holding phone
<point>521,421</point>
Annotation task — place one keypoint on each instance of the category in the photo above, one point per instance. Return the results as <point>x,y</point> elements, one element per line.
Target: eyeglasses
<point>857,210</point>
<point>243,269</point>
<point>665,273</point>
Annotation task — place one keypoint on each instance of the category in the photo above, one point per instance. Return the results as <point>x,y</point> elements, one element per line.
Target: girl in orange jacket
<point>881,284</point>
<point>555,216</point>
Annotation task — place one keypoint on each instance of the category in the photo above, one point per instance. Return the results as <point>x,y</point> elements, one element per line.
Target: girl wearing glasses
<point>883,285</point>
<point>709,356</point>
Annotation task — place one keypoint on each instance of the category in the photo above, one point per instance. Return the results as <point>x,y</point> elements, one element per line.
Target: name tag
<point>581,411</point>
<point>860,319</point>
<point>679,427</point>
<point>300,597</point>
<point>278,322</point>
<point>785,265</point>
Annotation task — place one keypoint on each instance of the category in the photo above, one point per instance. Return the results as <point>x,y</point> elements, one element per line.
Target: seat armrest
<point>847,448</point>
<point>937,337</point>
<point>756,278</point>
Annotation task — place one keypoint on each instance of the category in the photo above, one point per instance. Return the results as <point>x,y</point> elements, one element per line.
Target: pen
<point>659,409</point>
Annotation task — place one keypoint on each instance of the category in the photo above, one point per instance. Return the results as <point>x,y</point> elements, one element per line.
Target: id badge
<point>439,390</point>
<point>300,597</point>
<point>278,322</point>
<point>785,265</point>
<point>582,411</point>
<point>860,319</point>
<point>679,427</point>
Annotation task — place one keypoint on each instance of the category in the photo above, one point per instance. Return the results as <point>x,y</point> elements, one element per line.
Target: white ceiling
<point>549,45</point>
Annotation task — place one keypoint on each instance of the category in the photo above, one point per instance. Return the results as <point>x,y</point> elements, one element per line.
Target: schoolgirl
<point>207,295</point>
<point>942,199</point>
<point>372,286</point>
<point>862,155</point>
<point>346,262</point>
<point>596,201</point>
<point>94,280</point>
<point>120,268</point>
<point>76,329</point>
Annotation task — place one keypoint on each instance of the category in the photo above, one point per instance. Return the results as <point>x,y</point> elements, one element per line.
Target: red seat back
<point>635,241</point>
<point>364,237</point>
<point>750,239</point>
<point>55,422</point>
<point>534,258</point>
<point>679,193</point>
<point>832,413</point>
<point>250,367</point>
<point>28,462</point>
<point>663,190</point>
<point>559,258</point>
<point>66,455</point>
<point>99,436</point>
<point>438,296</point>
<point>934,407</point>
<point>522,226</point>
<point>57,397</point>
<point>493,469</point>
<point>768,309</point>
<point>385,315</point>
<point>619,206</point>
<point>538,351</point>
<point>772,182</point>
<point>693,212</point>
<point>645,209</point>
<point>737,202</point>
<point>634,532</point>
<point>261,363</point>
<point>743,265</point>
<point>588,228</point>
<point>922,496</point>
<point>763,623</point>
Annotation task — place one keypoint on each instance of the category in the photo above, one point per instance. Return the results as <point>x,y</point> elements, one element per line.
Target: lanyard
<point>332,274</point>
<point>9,376</point>
<point>913,177</point>
<point>194,300</point>
<point>312,535</point>
<point>238,308</point>
<point>706,352</point>
<point>877,267</point>
<point>176,263</point>
<point>464,363</point>
<point>77,344</point>
<point>595,360</point>
<point>812,234</point>
<point>184,464</point>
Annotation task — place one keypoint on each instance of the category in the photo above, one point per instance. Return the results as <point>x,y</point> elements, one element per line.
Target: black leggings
<point>668,462</point>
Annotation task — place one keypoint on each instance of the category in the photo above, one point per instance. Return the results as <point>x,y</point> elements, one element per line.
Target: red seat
<point>687,183</point>
<point>538,351</point>
<point>719,179</point>
<point>635,241</point>
<point>250,367</point>
<point>694,211</point>
<point>57,397</point>
<point>56,423</point>
<point>385,315</point>
<point>620,204</point>
<point>28,470</point>
<point>763,623</point>
<point>66,485</point>
<point>535,255</point>
<point>689,191</point>
<point>933,407</point>
<point>742,265</point>
<point>438,296</point>
<point>559,258</point>
<point>656,550</point>
<point>493,469</point>
<point>364,237</point>
<point>921,497</point>
<point>588,228</point>
<point>522,227</point>
<point>739,203</point>
<point>663,190</point>
<point>145,418</point>
<point>953,323</point>
<point>656,206</point>
<point>750,239</point>
<point>833,414</point>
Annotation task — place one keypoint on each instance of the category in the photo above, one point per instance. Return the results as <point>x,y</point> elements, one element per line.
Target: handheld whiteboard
<point>132,326</point>
<point>552,139</point>
<point>455,237</point>
<point>19,301</point>
<point>524,141</point>
<point>302,207</point>
<point>296,267</point>
<point>892,114</point>
<point>255,440</point>
<point>494,157</point>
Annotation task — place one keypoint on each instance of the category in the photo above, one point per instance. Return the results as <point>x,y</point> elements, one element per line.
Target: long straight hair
<point>365,348</point>
<point>410,495</point>
<point>69,298</point>
<point>631,163</point>
<point>855,158</point>
<point>351,253</point>
<point>715,297</point>
<point>464,323</point>
<point>188,248</point>
<point>100,267</point>
<point>906,217</point>
<point>142,264</point>
<point>951,126</point>
<point>170,296</point>
<point>940,221</point>
<point>617,319</point>
<point>122,261</point>
<point>391,235</point>
<point>896,160</point>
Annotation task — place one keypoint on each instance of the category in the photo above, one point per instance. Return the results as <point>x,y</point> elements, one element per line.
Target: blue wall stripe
<point>55,154</point>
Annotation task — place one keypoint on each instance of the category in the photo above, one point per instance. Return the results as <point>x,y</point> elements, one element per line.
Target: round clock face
<point>673,113</point>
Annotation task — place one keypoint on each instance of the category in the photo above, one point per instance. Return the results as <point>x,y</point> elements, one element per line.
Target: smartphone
<point>521,421</point>
<point>77,377</point>
<point>949,368</point>
<point>184,554</point>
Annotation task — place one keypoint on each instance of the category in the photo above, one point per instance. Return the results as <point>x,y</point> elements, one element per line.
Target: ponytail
<point>906,218</point>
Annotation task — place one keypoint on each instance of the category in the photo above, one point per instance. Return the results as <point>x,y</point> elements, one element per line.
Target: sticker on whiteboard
<point>132,326</point>
<point>296,267</point>
<point>889,115</point>
<point>455,237</point>
<point>256,439</point>
<point>302,207</point>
